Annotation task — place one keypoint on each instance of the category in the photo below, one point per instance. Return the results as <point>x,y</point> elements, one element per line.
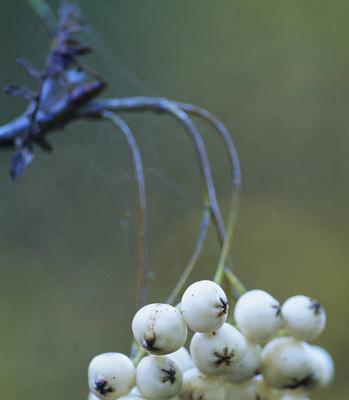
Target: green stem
<point>139,355</point>
<point>219,275</point>
<point>234,282</point>
<point>195,255</point>
<point>223,272</point>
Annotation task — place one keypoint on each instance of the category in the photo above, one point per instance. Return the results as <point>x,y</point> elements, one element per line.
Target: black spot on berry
<point>148,344</point>
<point>316,306</point>
<point>306,382</point>
<point>222,306</point>
<point>224,358</point>
<point>102,387</point>
<point>169,375</point>
<point>277,309</point>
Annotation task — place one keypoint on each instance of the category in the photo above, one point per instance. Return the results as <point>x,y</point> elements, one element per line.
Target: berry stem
<point>223,272</point>
<point>205,221</point>
<point>234,282</point>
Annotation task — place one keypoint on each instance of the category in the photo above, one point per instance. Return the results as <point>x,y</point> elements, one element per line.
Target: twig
<point>142,214</point>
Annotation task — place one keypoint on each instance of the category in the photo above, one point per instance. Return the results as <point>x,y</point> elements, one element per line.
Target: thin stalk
<point>234,282</point>
<point>205,222</point>
<point>224,135</point>
<point>163,105</point>
<point>223,271</point>
<point>229,146</point>
<point>139,355</point>
<point>142,214</point>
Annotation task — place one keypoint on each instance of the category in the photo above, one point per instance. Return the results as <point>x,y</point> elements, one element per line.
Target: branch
<point>64,87</point>
<point>64,112</point>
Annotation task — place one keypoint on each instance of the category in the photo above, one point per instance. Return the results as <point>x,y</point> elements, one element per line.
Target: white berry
<point>323,366</point>
<point>204,306</point>
<point>248,366</point>
<point>92,396</point>
<point>304,317</point>
<point>257,315</point>
<point>158,377</point>
<point>182,358</point>
<point>243,391</point>
<point>218,352</point>
<point>111,375</point>
<point>287,364</point>
<point>133,397</point>
<point>197,386</point>
<point>159,328</point>
<point>294,396</point>
<point>254,389</point>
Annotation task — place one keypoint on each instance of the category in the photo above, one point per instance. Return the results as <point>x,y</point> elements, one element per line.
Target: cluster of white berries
<point>253,361</point>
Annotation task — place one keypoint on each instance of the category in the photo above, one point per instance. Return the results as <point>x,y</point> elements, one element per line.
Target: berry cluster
<point>265,357</point>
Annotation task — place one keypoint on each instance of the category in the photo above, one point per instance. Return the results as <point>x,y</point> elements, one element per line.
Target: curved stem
<point>222,270</point>
<point>230,147</point>
<point>205,221</point>
<point>139,175</point>
<point>225,136</point>
<point>200,148</point>
<point>234,282</point>
<point>163,105</point>
<point>219,275</point>
<point>178,110</point>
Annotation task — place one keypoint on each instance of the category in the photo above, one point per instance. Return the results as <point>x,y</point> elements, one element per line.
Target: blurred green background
<point>276,72</point>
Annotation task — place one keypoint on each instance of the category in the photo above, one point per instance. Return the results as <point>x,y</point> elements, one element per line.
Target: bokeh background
<point>276,72</point>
